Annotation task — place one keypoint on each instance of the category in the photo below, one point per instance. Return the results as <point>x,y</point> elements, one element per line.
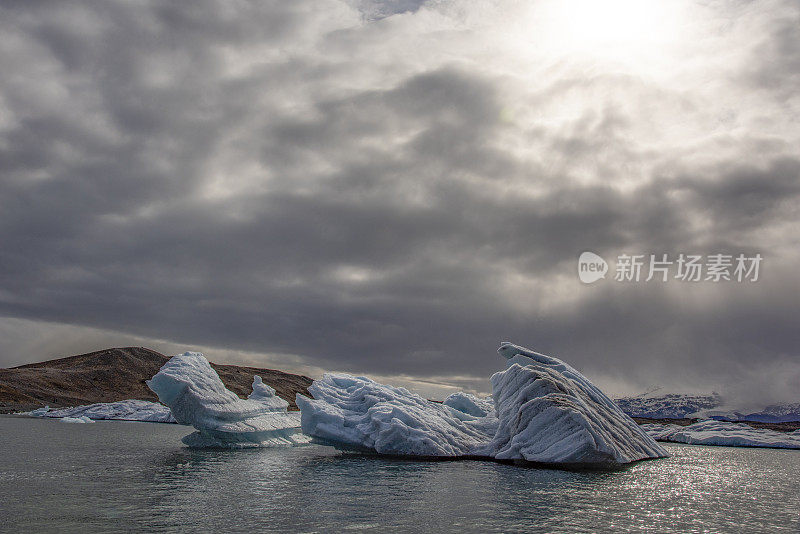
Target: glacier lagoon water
<point>115,476</point>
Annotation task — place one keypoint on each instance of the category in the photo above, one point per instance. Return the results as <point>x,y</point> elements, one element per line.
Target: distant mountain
<point>117,374</point>
<point>776,413</point>
<point>668,406</point>
<point>652,405</point>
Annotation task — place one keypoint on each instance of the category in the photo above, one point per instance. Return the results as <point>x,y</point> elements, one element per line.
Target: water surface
<point>116,476</point>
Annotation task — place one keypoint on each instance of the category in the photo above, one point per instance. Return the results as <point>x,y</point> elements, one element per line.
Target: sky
<point>393,188</point>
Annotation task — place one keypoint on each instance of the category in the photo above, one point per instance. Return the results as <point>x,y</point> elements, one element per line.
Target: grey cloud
<point>393,228</point>
<point>775,64</point>
<point>746,197</point>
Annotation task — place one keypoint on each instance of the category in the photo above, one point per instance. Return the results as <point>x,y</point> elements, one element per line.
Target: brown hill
<point>117,374</point>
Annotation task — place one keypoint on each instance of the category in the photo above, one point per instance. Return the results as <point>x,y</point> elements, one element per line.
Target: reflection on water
<point>116,476</point>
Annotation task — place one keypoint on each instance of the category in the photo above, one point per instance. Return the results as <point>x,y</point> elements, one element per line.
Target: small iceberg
<point>724,433</point>
<point>126,410</point>
<point>543,411</point>
<point>38,412</point>
<point>80,419</point>
<point>196,396</point>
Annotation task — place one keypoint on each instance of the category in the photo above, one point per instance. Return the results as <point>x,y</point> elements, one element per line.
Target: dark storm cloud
<point>234,177</point>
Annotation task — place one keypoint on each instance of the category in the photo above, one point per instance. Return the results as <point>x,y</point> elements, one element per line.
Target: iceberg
<point>551,413</point>
<point>470,404</point>
<point>357,413</point>
<point>543,411</point>
<point>38,412</point>
<point>126,410</point>
<point>196,396</point>
<point>724,433</point>
<point>81,419</point>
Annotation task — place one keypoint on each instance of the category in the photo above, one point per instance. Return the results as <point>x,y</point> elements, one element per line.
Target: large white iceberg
<point>126,410</point>
<point>724,433</point>
<point>551,413</point>
<point>544,411</point>
<point>196,396</point>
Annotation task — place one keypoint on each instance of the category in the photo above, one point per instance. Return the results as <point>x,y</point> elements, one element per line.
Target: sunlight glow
<point>619,30</point>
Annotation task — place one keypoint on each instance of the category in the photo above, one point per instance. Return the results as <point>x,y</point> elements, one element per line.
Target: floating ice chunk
<point>724,433</point>
<point>544,411</point>
<point>80,419</point>
<point>38,412</point>
<point>357,413</point>
<point>126,410</point>
<point>196,396</point>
